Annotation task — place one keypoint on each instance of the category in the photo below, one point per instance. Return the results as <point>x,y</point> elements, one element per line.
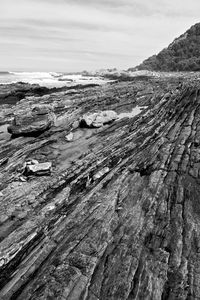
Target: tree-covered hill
<point>181,55</point>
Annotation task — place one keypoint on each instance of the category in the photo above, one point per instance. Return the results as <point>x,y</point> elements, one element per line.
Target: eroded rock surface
<point>119,216</point>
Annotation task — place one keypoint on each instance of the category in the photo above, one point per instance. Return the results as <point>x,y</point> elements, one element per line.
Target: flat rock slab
<point>40,168</point>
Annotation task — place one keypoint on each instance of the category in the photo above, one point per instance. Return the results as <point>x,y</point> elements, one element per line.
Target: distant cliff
<point>181,55</point>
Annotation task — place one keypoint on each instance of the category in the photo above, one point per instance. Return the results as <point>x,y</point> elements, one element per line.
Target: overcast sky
<point>73,35</point>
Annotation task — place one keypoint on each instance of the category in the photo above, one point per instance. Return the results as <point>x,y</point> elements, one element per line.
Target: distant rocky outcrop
<point>181,55</point>
<point>111,74</point>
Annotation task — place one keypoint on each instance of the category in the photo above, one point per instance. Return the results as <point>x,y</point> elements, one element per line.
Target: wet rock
<point>32,122</point>
<point>98,119</point>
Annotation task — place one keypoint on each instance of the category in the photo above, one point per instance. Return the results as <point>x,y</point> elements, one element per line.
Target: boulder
<point>98,119</point>
<point>32,122</point>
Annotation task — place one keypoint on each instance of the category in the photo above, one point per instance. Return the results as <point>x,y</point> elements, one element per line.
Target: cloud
<point>89,34</point>
<point>183,8</point>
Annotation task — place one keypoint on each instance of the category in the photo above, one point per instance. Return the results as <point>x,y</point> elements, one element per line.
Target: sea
<point>49,79</point>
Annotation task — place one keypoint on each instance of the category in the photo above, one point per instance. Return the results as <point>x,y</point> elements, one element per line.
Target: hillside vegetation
<point>181,55</point>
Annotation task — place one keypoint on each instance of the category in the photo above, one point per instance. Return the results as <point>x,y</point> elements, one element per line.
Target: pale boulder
<point>98,119</point>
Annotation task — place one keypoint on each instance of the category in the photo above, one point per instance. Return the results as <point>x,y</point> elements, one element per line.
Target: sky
<point>76,35</point>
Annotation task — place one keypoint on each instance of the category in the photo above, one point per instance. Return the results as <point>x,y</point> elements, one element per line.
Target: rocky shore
<point>102,209</point>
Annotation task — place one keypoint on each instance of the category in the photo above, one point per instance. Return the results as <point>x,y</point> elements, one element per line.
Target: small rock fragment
<point>31,200</point>
<point>22,215</point>
<point>39,169</point>
<point>2,262</point>
<point>75,124</point>
<point>34,162</point>
<point>101,173</point>
<point>119,208</point>
<point>3,219</point>
<point>23,179</point>
<point>69,137</point>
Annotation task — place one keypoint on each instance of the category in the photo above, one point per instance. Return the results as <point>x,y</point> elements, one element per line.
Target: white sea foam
<point>33,74</point>
<point>48,79</point>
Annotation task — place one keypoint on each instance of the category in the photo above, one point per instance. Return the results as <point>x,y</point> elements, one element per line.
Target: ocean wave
<point>49,79</point>
<point>33,74</point>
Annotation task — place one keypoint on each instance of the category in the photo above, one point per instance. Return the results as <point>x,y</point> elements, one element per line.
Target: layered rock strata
<point>119,215</point>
